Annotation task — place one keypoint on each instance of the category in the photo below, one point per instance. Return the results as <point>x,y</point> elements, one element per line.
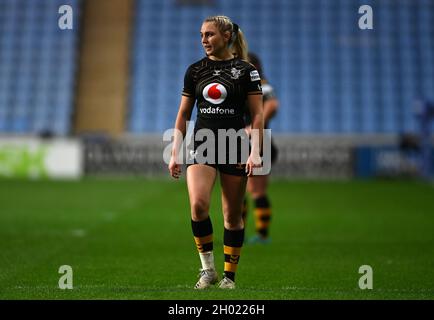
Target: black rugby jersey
<point>221,89</point>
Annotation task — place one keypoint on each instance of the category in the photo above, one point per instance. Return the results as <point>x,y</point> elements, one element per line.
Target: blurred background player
<point>222,80</point>
<point>257,185</point>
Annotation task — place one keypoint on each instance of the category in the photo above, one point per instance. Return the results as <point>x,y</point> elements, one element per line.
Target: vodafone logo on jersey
<point>215,93</point>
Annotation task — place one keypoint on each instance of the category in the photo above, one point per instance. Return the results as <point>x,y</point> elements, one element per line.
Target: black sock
<point>203,234</point>
<point>262,216</point>
<point>233,241</point>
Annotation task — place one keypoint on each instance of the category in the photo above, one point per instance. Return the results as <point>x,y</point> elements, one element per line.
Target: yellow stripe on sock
<point>260,213</point>
<point>203,240</point>
<point>236,251</point>
<point>231,267</point>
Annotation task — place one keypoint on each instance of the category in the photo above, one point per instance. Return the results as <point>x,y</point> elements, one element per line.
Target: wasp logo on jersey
<point>215,93</point>
<point>235,73</point>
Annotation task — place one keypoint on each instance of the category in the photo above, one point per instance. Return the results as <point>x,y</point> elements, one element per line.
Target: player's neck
<point>221,57</point>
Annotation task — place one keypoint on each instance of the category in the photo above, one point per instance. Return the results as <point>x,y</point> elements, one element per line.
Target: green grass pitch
<point>131,239</point>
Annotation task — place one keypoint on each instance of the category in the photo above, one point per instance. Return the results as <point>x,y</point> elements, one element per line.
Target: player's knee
<point>199,208</point>
<point>233,221</point>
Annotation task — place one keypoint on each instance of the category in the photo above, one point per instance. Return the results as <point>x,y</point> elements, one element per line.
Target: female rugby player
<point>221,83</point>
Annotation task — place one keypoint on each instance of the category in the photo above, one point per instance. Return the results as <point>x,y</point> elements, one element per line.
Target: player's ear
<point>227,36</point>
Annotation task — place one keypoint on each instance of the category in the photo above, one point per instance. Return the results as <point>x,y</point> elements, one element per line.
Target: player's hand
<point>248,130</point>
<point>254,161</point>
<point>174,168</point>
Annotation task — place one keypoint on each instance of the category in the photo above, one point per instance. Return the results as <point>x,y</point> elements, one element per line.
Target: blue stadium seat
<point>38,61</point>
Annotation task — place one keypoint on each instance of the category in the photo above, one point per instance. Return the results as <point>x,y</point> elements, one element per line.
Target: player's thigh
<point>200,181</point>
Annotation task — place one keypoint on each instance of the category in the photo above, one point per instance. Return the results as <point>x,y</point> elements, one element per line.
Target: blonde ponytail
<point>239,46</point>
